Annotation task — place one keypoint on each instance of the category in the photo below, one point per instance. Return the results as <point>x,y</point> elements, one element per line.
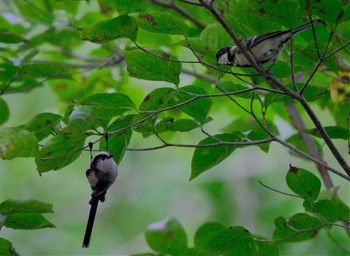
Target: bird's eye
<point>103,158</point>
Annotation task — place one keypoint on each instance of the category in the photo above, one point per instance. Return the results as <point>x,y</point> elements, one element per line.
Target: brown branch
<point>325,136</point>
<point>181,11</point>
<point>190,2</point>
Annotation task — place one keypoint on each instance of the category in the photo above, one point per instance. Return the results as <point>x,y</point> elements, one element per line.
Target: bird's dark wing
<point>252,41</point>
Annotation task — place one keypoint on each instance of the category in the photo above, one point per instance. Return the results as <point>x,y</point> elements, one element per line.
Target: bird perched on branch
<point>265,48</point>
<point>101,175</point>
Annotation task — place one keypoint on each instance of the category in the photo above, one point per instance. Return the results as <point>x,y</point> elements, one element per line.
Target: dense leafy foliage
<point>96,56</point>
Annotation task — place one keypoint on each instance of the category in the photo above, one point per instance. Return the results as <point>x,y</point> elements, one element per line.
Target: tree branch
<point>310,144</point>
<point>277,84</point>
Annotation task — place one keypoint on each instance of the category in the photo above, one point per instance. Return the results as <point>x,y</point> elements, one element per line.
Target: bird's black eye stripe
<point>98,158</point>
<point>222,51</point>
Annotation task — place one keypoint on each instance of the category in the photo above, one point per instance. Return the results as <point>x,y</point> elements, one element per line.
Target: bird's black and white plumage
<point>265,48</point>
<point>101,175</point>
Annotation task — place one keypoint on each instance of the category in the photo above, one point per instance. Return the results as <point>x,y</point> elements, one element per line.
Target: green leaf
<point>272,97</point>
<point>39,70</point>
<point>125,6</point>
<point>5,112</point>
<point>146,127</point>
<point>159,99</point>
<point>215,37</point>
<point>266,249</point>
<point>113,104</point>
<point>343,210</point>
<point>298,142</point>
<point>40,10</point>
<point>258,133</point>
<point>97,110</point>
<point>328,10</point>
<point>281,69</point>
<point>232,241</point>
<point>303,183</point>
<point>303,221</point>
<point>27,221</point>
<point>161,22</point>
<point>253,130</point>
<point>68,89</point>
<point>7,72</point>
<point>15,142</point>
<point>206,233</point>
<point>313,93</point>
<point>143,65</point>
<point>59,152</point>
<point>166,236</point>
<point>207,157</point>
<point>42,125</point>
<point>198,45</point>
<point>82,119</point>
<point>300,227</point>
<point>8,37</point>
<point>327,209</point>
<point>118,143</point>
<point>345,15</point>
<point>6,248</point>
<point>199,108</point>
<point>335,132</point>
<point>107,30</point>
<point>180,125</point>
<point>34,206</point>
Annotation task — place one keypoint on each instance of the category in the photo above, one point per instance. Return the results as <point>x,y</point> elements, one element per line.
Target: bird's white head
<point>104,162</point>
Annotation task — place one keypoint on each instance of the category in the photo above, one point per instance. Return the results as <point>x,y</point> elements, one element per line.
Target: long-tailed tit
<point>101,175</point>
<point>265,48</point>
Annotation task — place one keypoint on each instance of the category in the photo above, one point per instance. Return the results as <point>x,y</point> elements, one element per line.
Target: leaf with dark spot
<point>303,183</point>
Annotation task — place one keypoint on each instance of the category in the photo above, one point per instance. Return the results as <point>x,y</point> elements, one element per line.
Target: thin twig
<point>181,11</point>
<point>219,144</point>
<point>308,8</point>
<point>297,232</point>
<point>321,59</point>
<point>278,191</point>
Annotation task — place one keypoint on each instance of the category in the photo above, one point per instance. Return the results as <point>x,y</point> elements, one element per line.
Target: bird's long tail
<point>90,224</point>
<point>305,26</point>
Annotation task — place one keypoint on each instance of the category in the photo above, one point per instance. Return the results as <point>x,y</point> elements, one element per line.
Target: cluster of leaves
<point>212,238</point>
<point>22,215</point>
<point>119,32</point>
